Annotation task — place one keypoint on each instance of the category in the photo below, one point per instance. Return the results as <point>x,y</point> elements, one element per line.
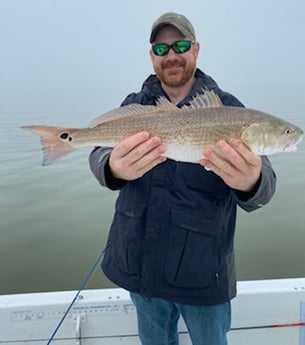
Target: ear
<point>196,49</point>
<point>152,56</point>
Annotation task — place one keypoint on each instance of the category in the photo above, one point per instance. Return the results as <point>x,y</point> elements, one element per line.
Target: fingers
<point>248,156</point>
<point>128,144</point>
<point>227,158</point>
<point>235,163</point>
<point>136,155</point>
<point>144,152</point>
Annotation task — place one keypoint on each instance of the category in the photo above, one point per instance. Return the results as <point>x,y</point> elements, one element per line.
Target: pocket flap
<point>208,224</point>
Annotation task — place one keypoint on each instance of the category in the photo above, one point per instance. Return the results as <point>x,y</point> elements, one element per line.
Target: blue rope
<point>85,281</point>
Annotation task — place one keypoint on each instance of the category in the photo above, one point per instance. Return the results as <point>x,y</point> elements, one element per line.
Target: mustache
<point>173,63</point>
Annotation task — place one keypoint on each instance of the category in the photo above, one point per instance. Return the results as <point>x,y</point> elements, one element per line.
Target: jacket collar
<point>152,86</point>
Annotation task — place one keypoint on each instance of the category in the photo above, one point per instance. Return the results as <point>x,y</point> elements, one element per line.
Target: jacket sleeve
<point>99,165</point>
<point>99,160</point>
<point>263,192</point>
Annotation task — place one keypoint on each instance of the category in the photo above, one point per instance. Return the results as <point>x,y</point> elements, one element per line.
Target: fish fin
<point>54,146</point>
<point>163,105</point>
<point>254,137</point>
<point>122,112</point>
<point>208,99</point>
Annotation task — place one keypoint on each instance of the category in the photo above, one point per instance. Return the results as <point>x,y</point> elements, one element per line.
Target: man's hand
<point>235,163</point>
<point>136,155</point>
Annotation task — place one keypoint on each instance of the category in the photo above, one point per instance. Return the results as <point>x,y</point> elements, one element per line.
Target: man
<point>171,240</point>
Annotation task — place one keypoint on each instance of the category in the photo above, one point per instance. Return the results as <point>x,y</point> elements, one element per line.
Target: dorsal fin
<point>163,105</point>
<point>208,99</point>
<point>124,111</point>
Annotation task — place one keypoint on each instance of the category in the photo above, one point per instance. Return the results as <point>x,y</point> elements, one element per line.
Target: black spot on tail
<point>64,136</point>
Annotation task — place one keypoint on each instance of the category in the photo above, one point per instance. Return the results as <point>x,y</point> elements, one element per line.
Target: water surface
<point>54,220</point>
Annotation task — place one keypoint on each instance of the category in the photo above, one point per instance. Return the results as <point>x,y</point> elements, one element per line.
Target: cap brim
<point>180,28</point>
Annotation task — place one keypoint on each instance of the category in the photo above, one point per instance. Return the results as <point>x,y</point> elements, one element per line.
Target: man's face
<point>173,69</point>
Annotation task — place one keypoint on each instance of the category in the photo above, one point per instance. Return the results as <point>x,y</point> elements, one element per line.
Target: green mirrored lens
<point>181,47</point>
<point>160,49</point>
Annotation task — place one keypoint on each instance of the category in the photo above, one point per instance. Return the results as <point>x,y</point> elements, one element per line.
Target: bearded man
<point>171,239</point>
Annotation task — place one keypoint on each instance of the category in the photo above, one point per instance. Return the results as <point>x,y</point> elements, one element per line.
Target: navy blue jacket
<point>173,229</point>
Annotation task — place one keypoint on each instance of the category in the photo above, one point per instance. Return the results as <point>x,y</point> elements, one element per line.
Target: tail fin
<point>56,142</point>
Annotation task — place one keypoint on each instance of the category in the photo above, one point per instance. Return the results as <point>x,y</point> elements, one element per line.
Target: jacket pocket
<point>197,179</point>
<point>125,238</point>
<point>192,257</point>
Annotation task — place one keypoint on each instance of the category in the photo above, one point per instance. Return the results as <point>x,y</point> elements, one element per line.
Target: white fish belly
<point>184,153</point>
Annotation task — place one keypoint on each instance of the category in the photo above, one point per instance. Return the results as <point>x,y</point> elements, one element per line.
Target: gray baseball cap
<point>179,21</point>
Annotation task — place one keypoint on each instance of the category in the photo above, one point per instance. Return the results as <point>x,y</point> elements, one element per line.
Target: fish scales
<point>202,126</point>
<point>185,132</point>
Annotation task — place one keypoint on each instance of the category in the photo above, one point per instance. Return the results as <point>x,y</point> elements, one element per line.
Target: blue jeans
<point>158,318</point>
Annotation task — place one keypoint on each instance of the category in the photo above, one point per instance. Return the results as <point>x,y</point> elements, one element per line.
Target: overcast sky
<point>87,55</point>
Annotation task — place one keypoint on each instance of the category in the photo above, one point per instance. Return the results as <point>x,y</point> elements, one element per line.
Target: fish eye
<point>288,131</point>
<point>64,135</point>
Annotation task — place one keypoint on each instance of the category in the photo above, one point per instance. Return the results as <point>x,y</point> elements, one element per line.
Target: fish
<point>184,131</point>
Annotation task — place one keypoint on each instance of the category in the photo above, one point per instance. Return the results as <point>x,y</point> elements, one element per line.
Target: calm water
<point>54,220</point>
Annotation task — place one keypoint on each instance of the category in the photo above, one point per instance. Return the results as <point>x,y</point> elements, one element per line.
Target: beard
<point>175,72</point>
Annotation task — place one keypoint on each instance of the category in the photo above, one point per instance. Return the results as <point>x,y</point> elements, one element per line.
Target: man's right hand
<point>134,156</point>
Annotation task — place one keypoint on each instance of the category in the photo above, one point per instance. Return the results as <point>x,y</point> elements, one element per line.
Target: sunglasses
<point>179,47</point>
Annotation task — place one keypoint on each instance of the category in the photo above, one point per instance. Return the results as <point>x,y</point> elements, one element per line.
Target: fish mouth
<point>289,148</point>
<point>293,147</point>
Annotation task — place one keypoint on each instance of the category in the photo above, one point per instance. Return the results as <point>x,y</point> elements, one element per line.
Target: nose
<point>171,53</point>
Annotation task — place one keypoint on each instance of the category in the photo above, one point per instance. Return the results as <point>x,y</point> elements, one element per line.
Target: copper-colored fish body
<point>184,131</point>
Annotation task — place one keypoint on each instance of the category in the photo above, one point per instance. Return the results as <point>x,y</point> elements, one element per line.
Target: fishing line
<point>82,286</point>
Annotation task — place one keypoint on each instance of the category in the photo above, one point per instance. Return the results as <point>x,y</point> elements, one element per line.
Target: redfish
<point>184,131</point>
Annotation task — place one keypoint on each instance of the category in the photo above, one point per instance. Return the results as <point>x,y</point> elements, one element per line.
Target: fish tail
<point>56,142</point>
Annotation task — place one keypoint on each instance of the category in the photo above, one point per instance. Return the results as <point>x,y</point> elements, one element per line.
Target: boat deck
<point>264,312</point>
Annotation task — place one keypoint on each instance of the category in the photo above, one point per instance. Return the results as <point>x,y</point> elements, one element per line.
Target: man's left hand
<point>235,163</point>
